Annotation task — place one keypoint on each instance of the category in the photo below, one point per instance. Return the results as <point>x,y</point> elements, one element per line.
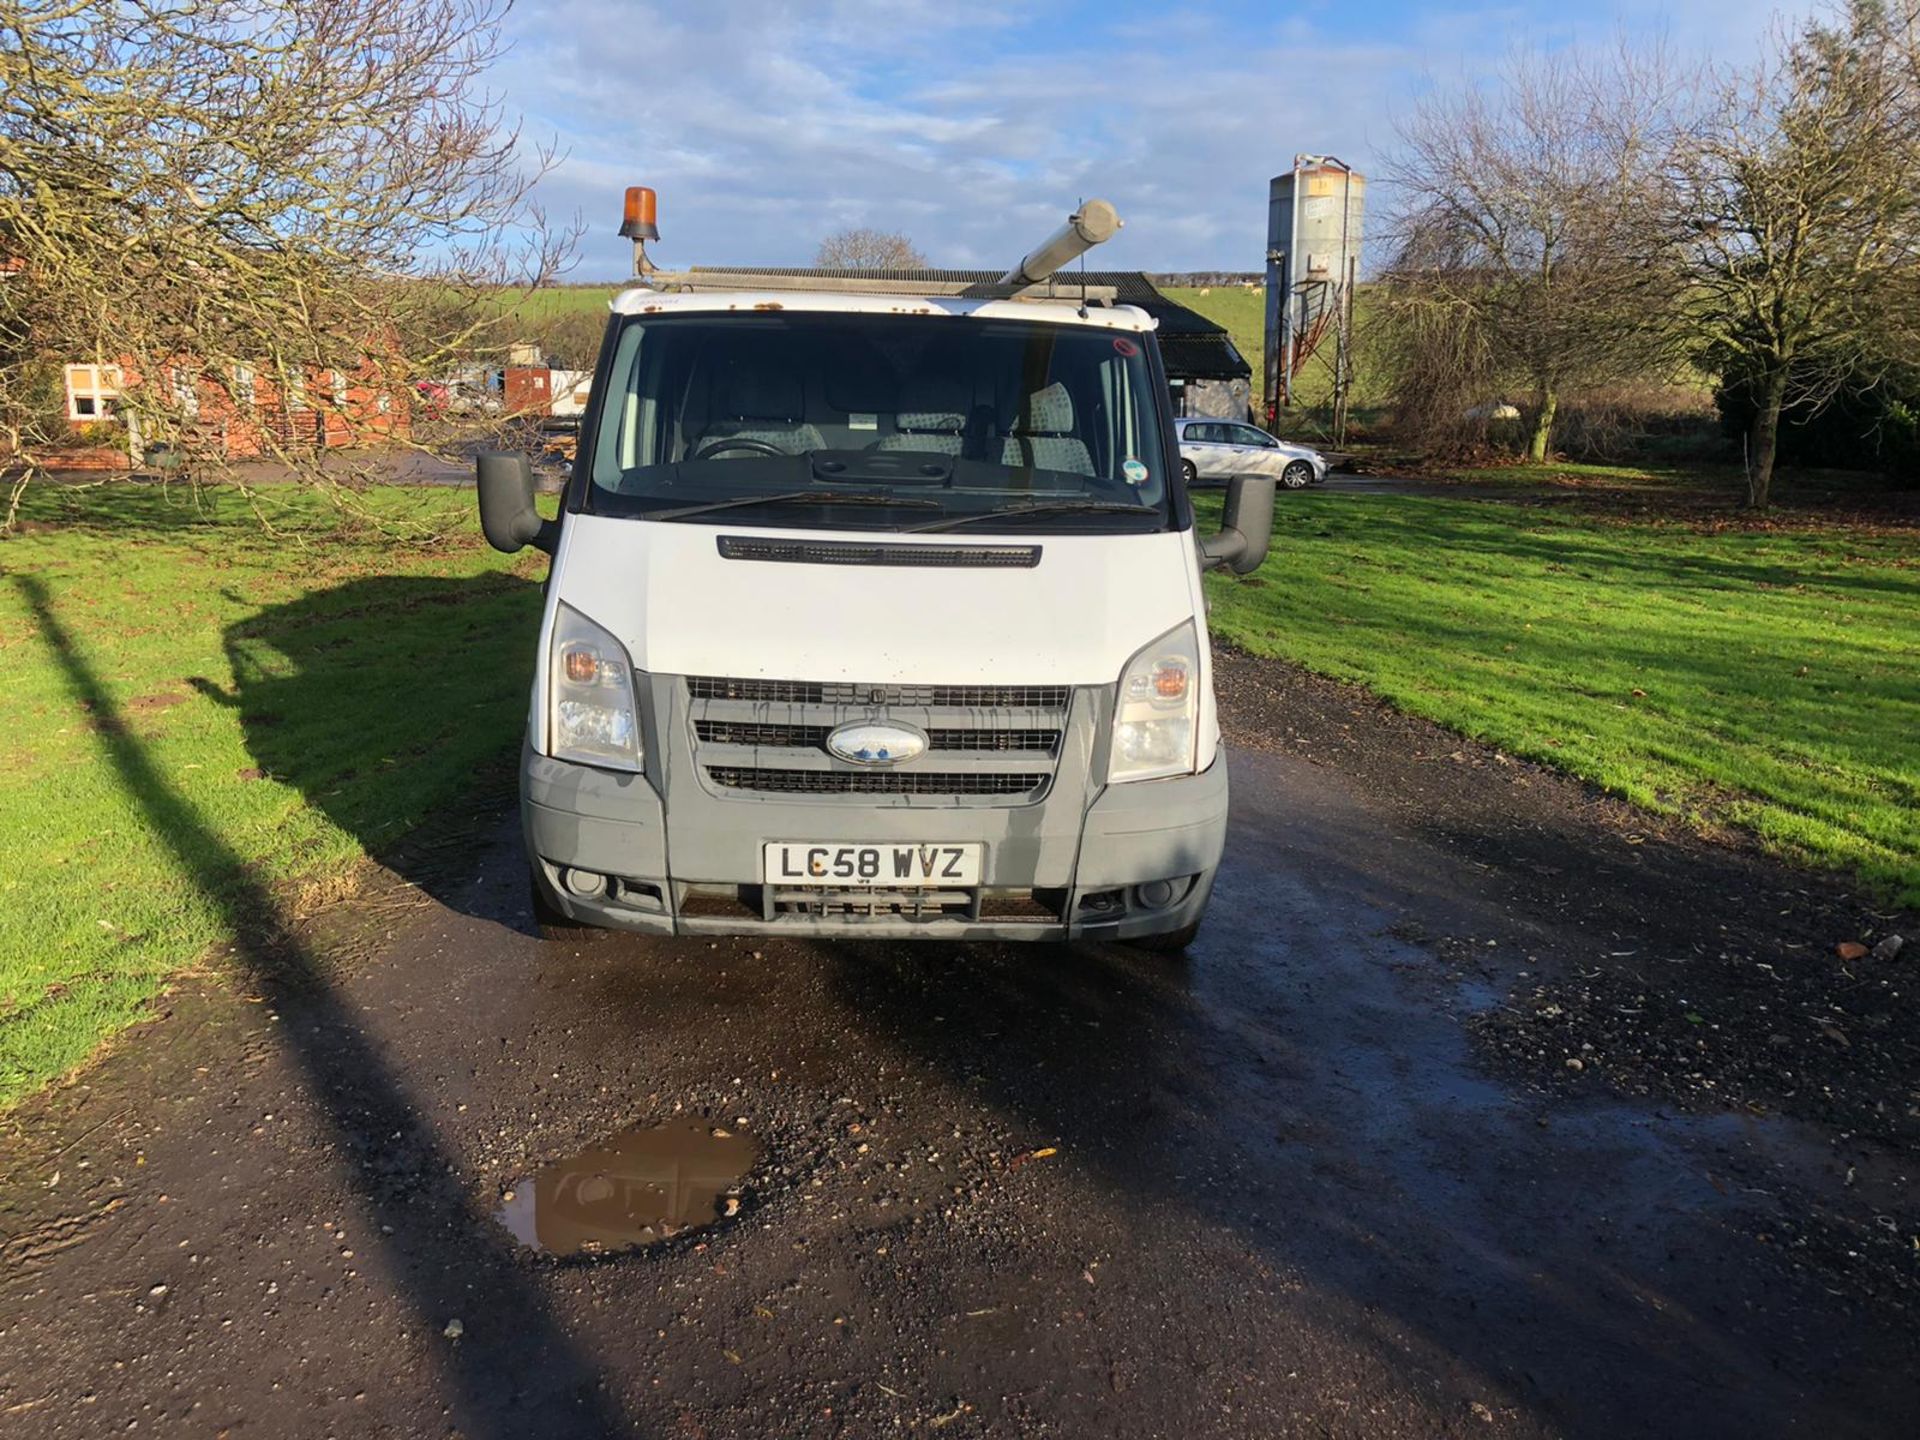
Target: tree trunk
<point>1764,438</point>
<point>1546,404</point>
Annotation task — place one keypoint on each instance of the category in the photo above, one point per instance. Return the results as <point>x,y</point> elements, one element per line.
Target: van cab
<point>875,614</point>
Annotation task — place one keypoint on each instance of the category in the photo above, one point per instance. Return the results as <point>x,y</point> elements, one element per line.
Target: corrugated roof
<point>1193,346</point>
<point>1203,357</point>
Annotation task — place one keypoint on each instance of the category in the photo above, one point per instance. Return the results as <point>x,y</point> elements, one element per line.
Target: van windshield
<point>891,422</point>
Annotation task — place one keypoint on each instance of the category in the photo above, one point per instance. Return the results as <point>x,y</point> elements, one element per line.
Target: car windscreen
<point>830,420</point>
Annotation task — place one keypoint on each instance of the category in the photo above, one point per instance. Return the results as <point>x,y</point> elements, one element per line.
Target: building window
<point>340,390</point>
<point>92,391</point>
<point>243,385</point>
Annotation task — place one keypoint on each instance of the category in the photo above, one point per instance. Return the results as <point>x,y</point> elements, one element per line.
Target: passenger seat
<point>1043,437</point>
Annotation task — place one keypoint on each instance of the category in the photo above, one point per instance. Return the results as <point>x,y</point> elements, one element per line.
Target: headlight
<point>592,714</point>
<point>1156,716</point>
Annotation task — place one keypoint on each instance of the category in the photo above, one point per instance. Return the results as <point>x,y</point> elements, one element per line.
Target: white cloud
<point>975,128</point>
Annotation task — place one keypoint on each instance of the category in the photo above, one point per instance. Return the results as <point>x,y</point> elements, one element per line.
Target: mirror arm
<point>1217,552</point>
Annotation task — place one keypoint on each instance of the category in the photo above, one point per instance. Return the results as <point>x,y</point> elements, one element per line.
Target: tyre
<point>552,922</point>
<point>1190,471</point>
<point>1297,476</point>
<point>1171,943</point>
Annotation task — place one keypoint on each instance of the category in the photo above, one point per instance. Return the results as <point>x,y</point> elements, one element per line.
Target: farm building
<point>244,413</point>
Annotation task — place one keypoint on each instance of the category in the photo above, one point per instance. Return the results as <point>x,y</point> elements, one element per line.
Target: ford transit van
<point>875,609</point>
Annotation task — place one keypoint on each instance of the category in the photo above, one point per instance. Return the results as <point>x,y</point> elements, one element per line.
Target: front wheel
<point>551,921</point>
<point>1297,476</point>
<point>1171,943</point>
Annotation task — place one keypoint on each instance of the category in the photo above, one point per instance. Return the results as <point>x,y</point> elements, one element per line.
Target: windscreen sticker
<point>1135,471</point>
<point>1124,346</point>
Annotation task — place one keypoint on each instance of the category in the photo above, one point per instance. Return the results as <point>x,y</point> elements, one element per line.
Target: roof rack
<point>854,282</point>
<point>1037,276</point>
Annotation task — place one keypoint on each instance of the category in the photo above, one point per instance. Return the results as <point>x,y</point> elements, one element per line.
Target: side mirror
<point>1245,528</point>
<point>507,516</point>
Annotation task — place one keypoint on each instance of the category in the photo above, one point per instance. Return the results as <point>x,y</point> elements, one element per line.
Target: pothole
<point>638,1188</point>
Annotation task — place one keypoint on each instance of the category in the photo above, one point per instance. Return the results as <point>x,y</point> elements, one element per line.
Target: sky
<point>975,126</point>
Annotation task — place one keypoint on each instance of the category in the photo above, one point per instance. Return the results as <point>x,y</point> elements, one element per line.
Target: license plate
<point>892,866</point>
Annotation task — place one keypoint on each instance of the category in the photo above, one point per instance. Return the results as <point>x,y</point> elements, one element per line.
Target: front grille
<point>1044,741</point>
<point>885,782</point>
<point>989,744</point>
<point>814,737</point>
<point>784,737</point>
<point>808,692</point>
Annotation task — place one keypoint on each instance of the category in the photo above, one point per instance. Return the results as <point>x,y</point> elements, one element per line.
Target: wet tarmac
<point>863,1189</point>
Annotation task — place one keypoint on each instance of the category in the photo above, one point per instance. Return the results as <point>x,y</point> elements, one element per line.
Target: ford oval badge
<point>871,742</point>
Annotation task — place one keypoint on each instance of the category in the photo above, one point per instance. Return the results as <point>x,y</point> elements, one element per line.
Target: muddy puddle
<point>637,1188</point>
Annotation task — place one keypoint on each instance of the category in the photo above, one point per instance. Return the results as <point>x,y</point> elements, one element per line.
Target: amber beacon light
<point>638,220</point>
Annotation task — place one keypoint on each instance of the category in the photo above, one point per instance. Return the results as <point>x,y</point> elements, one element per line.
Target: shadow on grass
<point>394,704</point>
<point>1662,559</point>
<point>523,1379</point>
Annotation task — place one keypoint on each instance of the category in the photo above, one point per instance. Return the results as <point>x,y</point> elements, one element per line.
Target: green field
<point>196,710</point>
<point>1766,679</point>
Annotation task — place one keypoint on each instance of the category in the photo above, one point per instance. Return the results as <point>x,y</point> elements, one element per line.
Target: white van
<point>875,614</point>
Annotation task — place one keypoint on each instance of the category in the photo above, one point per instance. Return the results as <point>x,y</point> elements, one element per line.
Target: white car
<point>1212,452</point>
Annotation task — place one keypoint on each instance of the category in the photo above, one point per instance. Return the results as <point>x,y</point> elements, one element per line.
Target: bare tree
<point>251,196</point>
<point>862,249</point>
<point>1531,251</point>
<point>567,335</point>
<point>1801,199</point>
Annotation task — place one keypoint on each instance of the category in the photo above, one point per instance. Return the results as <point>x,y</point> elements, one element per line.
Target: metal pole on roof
<point>1093,223</point>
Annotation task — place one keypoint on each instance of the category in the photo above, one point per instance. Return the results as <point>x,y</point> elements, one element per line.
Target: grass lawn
<point>1764,678</point>
<point>192,705</point>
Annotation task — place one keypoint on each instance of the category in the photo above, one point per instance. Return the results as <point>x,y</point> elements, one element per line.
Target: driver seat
<point>762,403</point>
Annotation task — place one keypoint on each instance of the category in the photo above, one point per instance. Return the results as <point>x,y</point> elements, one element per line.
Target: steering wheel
<point>711,448</point>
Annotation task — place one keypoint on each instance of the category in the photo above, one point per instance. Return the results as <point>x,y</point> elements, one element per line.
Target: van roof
<point>642,300</point>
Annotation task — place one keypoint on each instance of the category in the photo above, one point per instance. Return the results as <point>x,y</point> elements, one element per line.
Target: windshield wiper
<point>788,497</point>
<point>1085,507</point>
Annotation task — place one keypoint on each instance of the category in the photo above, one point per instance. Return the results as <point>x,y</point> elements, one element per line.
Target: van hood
<point>682,607</point>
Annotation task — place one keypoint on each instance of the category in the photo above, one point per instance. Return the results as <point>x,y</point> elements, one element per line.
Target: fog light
<point>584,883</point>
<point>1154,895</point>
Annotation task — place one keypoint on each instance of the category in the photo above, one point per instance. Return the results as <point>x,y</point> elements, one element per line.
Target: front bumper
<point>1070,866</point>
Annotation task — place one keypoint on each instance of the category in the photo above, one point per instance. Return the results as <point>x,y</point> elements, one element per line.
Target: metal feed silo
<point>1315,215</point>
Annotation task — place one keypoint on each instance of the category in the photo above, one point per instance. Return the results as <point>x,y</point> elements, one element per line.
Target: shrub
<point>1864,426</point>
